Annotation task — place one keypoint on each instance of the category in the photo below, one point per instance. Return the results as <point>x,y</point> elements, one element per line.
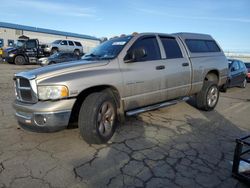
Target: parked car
<point>248,69</point>
<point>59,57</point>
<point>237,74</point>
<point>121,77</point>
<point>64,46</point>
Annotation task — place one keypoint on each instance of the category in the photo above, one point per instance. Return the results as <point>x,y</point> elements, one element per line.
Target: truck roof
<point>193,36</point>
<point>183,35</point>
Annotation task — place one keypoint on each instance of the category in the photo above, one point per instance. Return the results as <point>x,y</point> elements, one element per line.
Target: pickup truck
<point>121,77</point>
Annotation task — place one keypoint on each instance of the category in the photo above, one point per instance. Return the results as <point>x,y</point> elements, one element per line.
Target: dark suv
<point>59,57</point>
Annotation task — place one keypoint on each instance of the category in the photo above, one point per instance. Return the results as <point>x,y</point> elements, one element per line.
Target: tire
<point>77,52</point>
<point>224,88</point>
<point>19,60</point>
<point>96,125</point>
<point>208,97</point>
<point>54,50</point>
<point>244,83</point>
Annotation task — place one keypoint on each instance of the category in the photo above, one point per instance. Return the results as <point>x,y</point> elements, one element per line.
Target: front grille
<point>24,82</point>
<point>24,91</point>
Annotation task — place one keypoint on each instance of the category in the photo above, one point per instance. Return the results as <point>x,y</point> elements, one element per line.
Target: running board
<point>155,106</point>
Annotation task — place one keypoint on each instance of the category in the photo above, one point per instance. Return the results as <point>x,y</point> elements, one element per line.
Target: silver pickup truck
<point>121,77</point>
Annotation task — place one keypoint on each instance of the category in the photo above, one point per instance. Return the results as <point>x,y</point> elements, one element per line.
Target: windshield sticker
<point>119,43</point>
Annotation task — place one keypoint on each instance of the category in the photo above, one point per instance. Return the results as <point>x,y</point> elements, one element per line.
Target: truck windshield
<point>56,42</point>
<point>19,43</point>
<point>107,50</point>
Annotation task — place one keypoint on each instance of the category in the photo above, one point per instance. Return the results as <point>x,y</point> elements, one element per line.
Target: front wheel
<point>19,60</point>
<point>54,50</point>
<point>208,97</point>
<point>97,118</point>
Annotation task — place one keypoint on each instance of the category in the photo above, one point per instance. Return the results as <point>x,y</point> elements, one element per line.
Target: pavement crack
<point>1,167</point>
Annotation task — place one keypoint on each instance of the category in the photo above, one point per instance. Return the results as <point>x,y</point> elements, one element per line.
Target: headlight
<point>12,55</point>
<point>45,61</point>
<point>52,92</point>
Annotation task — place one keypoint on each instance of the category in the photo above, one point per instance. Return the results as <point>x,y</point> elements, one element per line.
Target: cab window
<point>31,44</point>
<point>150,45</point>
<point>171,48</point>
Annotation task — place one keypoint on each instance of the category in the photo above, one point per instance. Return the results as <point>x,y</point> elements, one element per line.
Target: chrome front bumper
<point>44,116</point>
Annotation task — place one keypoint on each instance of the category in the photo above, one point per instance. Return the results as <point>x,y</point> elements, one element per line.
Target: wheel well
<point>56,48</point>
<point>82,96</point>
<point>213,76</point>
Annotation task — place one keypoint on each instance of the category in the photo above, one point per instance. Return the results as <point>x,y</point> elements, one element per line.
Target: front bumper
<point>47,116</point>
<point>10,59</point>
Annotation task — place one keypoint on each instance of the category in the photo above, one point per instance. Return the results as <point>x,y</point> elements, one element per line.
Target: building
<point>11,32</point>
<point>243,56</point>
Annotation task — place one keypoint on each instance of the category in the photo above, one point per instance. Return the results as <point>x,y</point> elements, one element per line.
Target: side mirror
<point>135,55</point>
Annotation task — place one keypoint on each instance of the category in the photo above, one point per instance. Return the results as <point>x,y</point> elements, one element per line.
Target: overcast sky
<point>228,21</point>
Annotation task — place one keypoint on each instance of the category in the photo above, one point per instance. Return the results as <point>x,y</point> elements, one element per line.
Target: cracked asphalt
<point>178,146</point>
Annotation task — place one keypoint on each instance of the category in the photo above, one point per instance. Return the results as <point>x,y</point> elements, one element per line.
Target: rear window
<point>247,65</point>
<point>202,46</point>
<point>171,48</point>
<point>78,43</point>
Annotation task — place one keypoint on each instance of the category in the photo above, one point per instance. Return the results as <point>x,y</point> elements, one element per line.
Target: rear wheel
<point>97,118</point>
<point>208,97</point>
<point>224,87</point>
<point>19,60</point>
<point>77,52</point>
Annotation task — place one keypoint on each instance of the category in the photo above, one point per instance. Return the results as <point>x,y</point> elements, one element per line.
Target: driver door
<point>31,50</point>
<point>143,77</point>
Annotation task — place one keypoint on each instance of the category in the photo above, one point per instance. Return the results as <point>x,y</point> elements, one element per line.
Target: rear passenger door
<point>71,46</point>
<point>177,75</point>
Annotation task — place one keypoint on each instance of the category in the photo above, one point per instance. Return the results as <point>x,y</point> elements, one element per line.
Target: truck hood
<point>10,49</point>
<point>62,68</point>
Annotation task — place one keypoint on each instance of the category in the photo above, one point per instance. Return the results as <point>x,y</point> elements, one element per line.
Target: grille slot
<point>24,82</point>
<point>24,91</point>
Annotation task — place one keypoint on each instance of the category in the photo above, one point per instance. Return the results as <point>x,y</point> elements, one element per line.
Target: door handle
<point>185,64</point>
<point>160,67</point>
